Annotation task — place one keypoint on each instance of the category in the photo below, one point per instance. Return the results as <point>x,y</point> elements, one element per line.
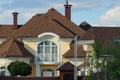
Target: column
<point>38,72</point>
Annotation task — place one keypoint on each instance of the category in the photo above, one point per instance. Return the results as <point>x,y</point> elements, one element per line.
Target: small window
<point>47,73</point>
<point>2,71</point>
<point>116,41</point>
<point>82,73</point>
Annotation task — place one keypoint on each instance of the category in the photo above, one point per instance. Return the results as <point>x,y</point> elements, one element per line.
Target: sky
<point>95,12</point>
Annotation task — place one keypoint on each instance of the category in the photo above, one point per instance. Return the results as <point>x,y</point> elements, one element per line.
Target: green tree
<point>95,59</point>
<point>97,53</point>
<point>19,68</point>
<point>114,63</point>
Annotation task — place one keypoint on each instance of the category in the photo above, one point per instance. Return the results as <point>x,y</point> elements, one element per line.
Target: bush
<point>19,68</point>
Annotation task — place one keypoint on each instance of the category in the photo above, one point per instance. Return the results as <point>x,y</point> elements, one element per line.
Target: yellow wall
<point>33,74</point>
<point>64,45</point>
<point>31,46</point>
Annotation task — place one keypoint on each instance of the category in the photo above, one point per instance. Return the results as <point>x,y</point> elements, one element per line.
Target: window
<point>47,73</point>
<point>47,51</point>
<point>82,73</point>
<point>116,41</point>
<point>2,71</point>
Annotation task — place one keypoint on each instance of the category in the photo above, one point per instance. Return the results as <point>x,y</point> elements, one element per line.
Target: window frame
<point>53,50</point>
<point>2,69</point>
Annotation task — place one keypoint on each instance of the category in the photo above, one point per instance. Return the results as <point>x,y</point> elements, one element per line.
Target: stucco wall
<point>63,45</point>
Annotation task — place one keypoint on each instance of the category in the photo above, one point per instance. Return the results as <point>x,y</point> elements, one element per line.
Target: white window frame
<point>44,53</point>
<point>47,70</point>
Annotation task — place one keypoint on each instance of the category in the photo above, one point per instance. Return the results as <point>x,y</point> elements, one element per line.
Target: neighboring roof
<point>6,30</point>
<point>13,48</point>
<point>85,64</point>
<point>103,34</point>
<point>67,67</point>
<point>70,53</point>
<point>52,21</point>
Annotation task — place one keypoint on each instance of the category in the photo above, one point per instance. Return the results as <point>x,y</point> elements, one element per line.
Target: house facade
<point>49,40</point>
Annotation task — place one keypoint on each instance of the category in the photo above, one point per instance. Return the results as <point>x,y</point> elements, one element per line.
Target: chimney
<point>68,10</point>
<point>15,20</point>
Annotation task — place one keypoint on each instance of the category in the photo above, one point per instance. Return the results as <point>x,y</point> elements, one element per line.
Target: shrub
<point>19,68</point>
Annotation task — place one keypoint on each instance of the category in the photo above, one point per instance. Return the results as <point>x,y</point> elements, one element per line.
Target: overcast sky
<point>95,12</point>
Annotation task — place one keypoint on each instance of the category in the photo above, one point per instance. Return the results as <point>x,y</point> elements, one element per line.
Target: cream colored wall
<point>64,47</point>
<point>9,60</point>
<point>31,45</point>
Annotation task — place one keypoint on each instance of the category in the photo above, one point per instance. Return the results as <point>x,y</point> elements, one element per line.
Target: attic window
<point>116,41</point>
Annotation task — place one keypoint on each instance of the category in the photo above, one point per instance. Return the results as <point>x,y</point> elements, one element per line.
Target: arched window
<point>47,73</point>
<point>47,51</point>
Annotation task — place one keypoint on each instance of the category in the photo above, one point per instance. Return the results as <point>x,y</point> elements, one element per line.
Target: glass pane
<point>41,56</point>
<point>41,43</point>
<point>53,43</point>
<point>40,49</point>
<point>47,57</point>
<point>47,49</point>
<point>3,67</point>
<point>47,42</point>
<point>2,73</point>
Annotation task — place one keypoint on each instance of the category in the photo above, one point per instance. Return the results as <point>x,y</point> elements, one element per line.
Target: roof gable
<point>52,21</point>
<point>67,66</point>
<point>70,53</point>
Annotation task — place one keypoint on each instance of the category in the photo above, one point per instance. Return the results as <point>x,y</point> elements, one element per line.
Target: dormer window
<point>48,51</point>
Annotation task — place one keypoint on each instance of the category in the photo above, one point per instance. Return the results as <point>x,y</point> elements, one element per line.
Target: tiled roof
<point>13,48</point>
<point>67,66</point>
<point>103,34</point>
<point>6,30</point>
<point>52,21</point>
<point>85,64</point>
<point>70,53</point>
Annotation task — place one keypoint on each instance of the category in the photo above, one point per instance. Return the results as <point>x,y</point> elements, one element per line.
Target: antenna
<point>67,2</point>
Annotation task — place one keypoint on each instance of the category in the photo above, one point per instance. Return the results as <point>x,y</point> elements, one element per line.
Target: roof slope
<point>103,34</point>
<point>85,64</point>
<point>52,21</point>
<point>6,30</point>
<point>67,66</point>
<point>13,48</point>
<point>70,53</point>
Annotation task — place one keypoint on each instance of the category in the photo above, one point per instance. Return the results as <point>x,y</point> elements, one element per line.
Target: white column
<point>37,66</point>
<point>38,72</point>
<point>75,57</point>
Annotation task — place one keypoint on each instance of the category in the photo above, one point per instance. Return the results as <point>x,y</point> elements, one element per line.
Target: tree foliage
<point>97,53</point>
<point>19,68</point>
<point>113,66</point>
<point>113,60</point>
